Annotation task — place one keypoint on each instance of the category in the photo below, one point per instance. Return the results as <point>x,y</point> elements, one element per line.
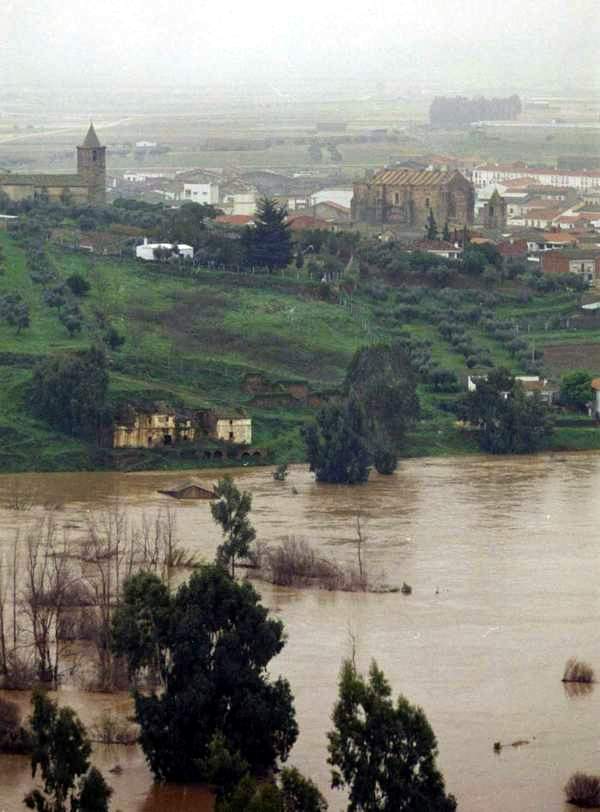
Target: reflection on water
<point>502,555</point>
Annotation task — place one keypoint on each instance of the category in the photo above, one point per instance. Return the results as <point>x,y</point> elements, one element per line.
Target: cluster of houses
<point>237,194</point>
<point>158,425</point>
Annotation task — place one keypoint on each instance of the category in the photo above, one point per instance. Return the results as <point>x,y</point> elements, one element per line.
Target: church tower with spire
<point>91,167</point>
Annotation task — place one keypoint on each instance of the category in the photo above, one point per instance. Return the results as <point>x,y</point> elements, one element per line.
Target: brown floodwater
<point>503,558</point>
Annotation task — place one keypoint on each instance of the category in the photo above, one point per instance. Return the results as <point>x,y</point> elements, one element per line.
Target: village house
<point>152,427</point>
<point>207,193</point>
<point>530,384</point>
<point>232,426</point>
<point>151,251</point>
<point>7,220</point>
<point>304,222</point>
<point>158,426</point>
<point>583,262</point>
<point>439,248</point>
<point>406,197</point>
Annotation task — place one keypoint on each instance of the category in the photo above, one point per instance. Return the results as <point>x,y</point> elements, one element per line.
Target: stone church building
<point>404,197</point>
<point>87,186</point>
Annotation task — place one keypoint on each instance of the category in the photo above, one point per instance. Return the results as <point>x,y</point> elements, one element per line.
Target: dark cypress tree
<point>431,229</point>
<point>268,244</point>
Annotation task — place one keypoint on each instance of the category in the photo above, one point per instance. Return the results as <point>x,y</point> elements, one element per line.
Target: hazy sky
<point>495,42</point>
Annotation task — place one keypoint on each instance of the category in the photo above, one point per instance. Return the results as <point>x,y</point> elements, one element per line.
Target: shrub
<point>78,285</point>
<point>578,671</point>
<point>110,728</point>
<point>295,562</point>
<point>385,461</point>
<point>281,472</point>
<point>583,790</point>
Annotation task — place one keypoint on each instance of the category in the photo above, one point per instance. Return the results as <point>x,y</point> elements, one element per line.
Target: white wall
<point>200,193</point>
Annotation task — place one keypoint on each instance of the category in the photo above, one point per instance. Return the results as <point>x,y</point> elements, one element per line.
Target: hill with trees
<point>201,335</point>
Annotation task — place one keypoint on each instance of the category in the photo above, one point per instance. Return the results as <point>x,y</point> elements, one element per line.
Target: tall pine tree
<point>268,244</point>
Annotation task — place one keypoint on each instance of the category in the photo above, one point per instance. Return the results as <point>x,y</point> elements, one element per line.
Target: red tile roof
<point>234,219</point>
<point>518,248</point>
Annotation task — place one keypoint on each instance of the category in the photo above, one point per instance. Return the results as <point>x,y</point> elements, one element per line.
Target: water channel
<point>503,557</point>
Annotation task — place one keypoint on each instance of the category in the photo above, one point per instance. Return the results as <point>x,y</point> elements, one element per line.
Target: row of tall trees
<point>458,111</point>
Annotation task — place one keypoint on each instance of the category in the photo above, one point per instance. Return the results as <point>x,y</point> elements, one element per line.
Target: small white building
<point>147,250</point>
<point>200,193</point>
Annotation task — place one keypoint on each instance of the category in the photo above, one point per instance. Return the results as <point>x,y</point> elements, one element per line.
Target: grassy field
<point>192,342</point>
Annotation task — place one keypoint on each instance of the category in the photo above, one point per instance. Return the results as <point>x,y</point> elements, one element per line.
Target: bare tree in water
<point>49,580</point>
<point>112,551</point>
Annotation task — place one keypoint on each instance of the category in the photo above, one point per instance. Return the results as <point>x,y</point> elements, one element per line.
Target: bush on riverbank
<point>578,671</point>
<point>583,790</point>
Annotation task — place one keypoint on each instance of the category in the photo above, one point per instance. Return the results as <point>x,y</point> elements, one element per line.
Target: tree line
<point>458,111</point>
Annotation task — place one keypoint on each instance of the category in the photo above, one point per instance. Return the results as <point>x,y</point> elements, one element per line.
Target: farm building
<point>158,425</point>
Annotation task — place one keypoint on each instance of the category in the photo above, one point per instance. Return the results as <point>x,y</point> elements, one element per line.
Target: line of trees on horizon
<point>459,111</point>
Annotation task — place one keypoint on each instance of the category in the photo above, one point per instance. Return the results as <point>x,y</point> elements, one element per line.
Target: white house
<point>146,251</point>
<point>530,384</point>
<point>200,193</point>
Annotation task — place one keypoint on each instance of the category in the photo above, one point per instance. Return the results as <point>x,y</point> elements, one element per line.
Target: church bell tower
<point>91,167</point>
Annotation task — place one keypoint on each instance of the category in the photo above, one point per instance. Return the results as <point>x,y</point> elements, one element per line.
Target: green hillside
<point>193,341</point>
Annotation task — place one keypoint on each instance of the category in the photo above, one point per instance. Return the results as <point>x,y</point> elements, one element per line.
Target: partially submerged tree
<point>509,420</point>
<point>231,510</point>
<point>292,793</point>
<point>336,445</point>
<point>213,641</point>
<point>383,754</point>
<point>61,752</point>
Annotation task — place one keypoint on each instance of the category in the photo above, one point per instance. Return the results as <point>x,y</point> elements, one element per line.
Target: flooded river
<point>503,557</point>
